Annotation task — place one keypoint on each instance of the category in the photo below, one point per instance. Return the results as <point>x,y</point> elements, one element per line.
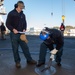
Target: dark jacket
<point>55,38</point>
<point>3,28</point>
<point>16,20</point>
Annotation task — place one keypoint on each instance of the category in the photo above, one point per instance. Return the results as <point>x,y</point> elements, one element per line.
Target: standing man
<point>16,22</point>
<point>3,29</point>
<point>62,28</point>
<point>52,39</point>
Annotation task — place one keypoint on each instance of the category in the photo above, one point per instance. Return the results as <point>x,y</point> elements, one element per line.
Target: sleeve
<point>4,28</point>
<point>25,23</point>
<point>59,43</point>
<point>8,22</point>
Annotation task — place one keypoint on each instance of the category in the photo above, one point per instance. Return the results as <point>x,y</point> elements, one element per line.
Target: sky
<point>38,12</point>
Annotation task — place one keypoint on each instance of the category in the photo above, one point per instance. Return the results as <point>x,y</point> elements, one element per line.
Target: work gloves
<point>53,52</point>
<point>23,38</point>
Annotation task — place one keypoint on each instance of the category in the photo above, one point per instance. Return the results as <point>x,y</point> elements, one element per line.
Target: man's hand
<point>54,51</point>
<point>24,30</point>
<point>15,31</point>
<point>52,57</point>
